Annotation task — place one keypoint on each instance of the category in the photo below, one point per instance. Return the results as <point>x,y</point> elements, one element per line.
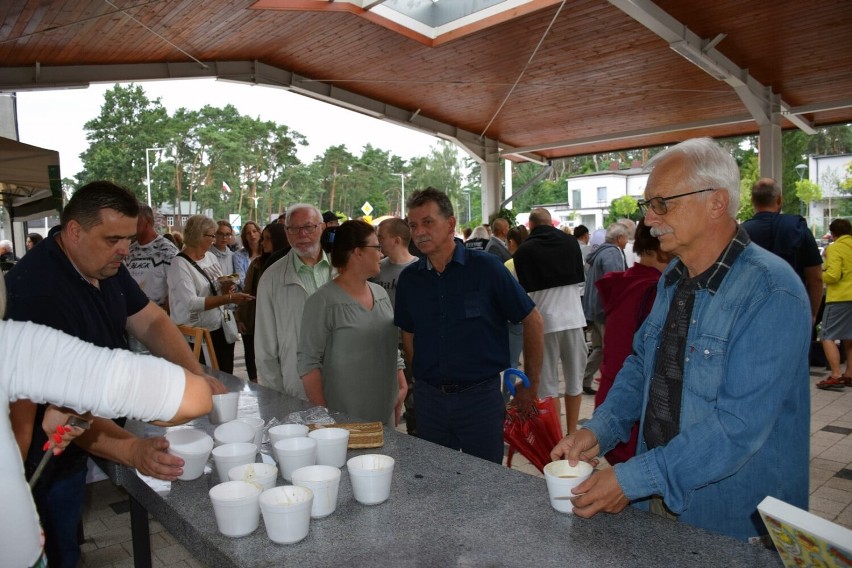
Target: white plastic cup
<point>324,481</point>
<point>561,478</point>
<point>193,446</point>
<point>331,445</point>
<point>284,431</point>
<point>236,507</point>
<point>294,453</point>
<point>257,424</point>
<point>224,407</point>
<point>286,513</point>
<point>262,474</point>
<point>233,432</point>
<point>228,456</point>
<point>370,476</point>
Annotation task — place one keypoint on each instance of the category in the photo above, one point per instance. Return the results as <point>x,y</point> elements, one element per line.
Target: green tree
<point>128,123</point>
<point>621,208</point>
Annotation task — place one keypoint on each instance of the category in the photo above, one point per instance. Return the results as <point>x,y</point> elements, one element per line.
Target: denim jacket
<point>745,410</point>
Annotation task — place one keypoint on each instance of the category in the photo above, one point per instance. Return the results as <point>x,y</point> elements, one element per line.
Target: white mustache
<point>422,240</point>
<point>658,231</point>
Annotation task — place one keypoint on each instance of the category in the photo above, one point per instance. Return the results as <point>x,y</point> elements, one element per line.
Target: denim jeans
<point>60,507</point>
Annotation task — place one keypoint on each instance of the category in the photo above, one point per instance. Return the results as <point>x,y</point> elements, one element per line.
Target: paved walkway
<point>107,520</point>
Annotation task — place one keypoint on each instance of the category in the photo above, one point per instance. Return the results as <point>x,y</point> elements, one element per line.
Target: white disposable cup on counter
<point>233,432</point>
<point>224,407</point>
<point>193,446</point>
<point>324,481</point>
<point>228,456</point>
<point>284,431</point>
<point>257,424</point>
<point>263,474</point>
<point>287,513</point>
<point>236,507</point>
<point>331,445</point>
<point>370,476</point>
<point>561,478</point>
<point>294,453</point>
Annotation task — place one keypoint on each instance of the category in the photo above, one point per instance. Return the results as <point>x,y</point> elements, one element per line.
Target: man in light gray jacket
<point>281,296</point>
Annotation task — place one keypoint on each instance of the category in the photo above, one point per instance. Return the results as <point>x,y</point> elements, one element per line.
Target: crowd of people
<point>408,320</point>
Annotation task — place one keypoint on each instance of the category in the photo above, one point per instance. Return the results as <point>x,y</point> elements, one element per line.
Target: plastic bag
<point>533,436</point>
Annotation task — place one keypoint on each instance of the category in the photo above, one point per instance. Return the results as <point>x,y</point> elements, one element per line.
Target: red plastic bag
<point>534,435</point>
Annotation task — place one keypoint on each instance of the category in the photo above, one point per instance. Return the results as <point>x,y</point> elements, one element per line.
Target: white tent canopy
<point>26,173</point>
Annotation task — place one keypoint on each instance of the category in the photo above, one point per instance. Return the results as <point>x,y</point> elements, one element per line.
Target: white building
<point>590,195</point>
<point>828,172</point>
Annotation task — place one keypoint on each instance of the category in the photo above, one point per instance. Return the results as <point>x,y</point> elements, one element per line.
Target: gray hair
<point>540,216</point>
<point>706,165</point>
<point>479,232</point>
<point>616,230</point>
<point>298,207</point>
<point>194,229</point>
<point>4,244</point>
<point>765,192</point>
<point>631,227</point>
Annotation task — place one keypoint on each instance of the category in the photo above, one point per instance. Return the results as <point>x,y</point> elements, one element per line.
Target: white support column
<point>491,186</point>
<point>769,145</point>
<point>507,181</point>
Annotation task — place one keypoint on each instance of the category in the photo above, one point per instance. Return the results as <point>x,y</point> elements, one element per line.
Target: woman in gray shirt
<point>347,356</point>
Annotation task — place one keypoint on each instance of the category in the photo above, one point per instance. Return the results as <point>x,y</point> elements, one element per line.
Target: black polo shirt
<point>45,288</point>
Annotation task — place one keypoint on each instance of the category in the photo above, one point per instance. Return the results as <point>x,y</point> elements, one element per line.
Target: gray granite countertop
<point>445,509</point>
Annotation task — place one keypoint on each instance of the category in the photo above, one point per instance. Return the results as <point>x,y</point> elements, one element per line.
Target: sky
<point>54,119</point>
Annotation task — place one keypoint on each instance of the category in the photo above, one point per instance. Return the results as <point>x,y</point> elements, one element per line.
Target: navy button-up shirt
<point>458,317</point>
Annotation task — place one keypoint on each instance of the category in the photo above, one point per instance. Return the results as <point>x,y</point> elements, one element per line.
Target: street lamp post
<point>401,194</point>
<point>466,191</point>
<point>148,172</point>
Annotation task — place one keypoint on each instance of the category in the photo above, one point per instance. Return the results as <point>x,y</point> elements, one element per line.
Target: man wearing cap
<point>330,219</point>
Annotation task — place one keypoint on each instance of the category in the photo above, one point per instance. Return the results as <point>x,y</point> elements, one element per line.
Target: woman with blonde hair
<point>198,295</point>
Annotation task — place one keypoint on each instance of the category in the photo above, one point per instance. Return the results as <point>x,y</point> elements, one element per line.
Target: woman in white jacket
<point>46,366</point>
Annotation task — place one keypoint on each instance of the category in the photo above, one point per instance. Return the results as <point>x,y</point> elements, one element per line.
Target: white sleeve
<point>46,365</point>
<point>184,300</point>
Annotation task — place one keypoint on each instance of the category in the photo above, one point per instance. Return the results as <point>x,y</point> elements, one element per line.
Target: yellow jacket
<point>837,274</point>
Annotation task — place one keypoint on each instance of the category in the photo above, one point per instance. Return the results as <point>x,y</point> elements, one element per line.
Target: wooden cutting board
<point>361,434</point>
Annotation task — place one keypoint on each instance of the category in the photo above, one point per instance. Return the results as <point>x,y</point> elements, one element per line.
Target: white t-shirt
<point>45,365</point>
<point>560,307</point>
<point>188,288</point>
<point>148,264</point>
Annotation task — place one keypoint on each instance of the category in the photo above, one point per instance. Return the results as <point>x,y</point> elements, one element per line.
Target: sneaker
<point>589,390</point>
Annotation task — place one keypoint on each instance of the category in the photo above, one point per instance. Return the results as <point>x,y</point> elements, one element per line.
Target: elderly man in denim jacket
<point>719,374</point>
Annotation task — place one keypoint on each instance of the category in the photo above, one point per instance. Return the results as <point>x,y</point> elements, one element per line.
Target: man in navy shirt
<point>787,236</point>
<point>452,307</point>
<point>76,281</point>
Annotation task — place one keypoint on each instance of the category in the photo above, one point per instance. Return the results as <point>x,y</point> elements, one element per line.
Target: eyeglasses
<point>225,235</point>
<point>209,236</point>
<point>659,204</point>
<point>307,229</point>
<point>377,247</point>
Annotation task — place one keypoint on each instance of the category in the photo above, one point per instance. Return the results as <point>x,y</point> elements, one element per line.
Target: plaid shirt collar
<point>712,278</point>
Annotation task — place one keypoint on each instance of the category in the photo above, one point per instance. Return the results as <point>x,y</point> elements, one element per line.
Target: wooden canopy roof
<point>539,78</point>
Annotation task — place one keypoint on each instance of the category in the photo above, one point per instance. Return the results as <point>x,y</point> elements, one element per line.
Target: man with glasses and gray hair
<point>724,413</point>
<point>281,295</point>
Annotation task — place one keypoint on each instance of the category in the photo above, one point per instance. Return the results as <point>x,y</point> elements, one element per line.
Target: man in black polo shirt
<point>76,282</point>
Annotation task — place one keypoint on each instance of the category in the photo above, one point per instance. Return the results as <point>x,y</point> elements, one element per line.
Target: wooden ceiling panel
<point>598,73</point>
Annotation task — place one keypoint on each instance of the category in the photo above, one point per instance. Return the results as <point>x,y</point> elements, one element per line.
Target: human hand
<point>524,399</point>
<point>149,457</point>
<point>61,427</point>
<point>216,386</point>
<point>601,492</point>
<point>240,298</point>
<point>241,327</point>
<point>582,445</point>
